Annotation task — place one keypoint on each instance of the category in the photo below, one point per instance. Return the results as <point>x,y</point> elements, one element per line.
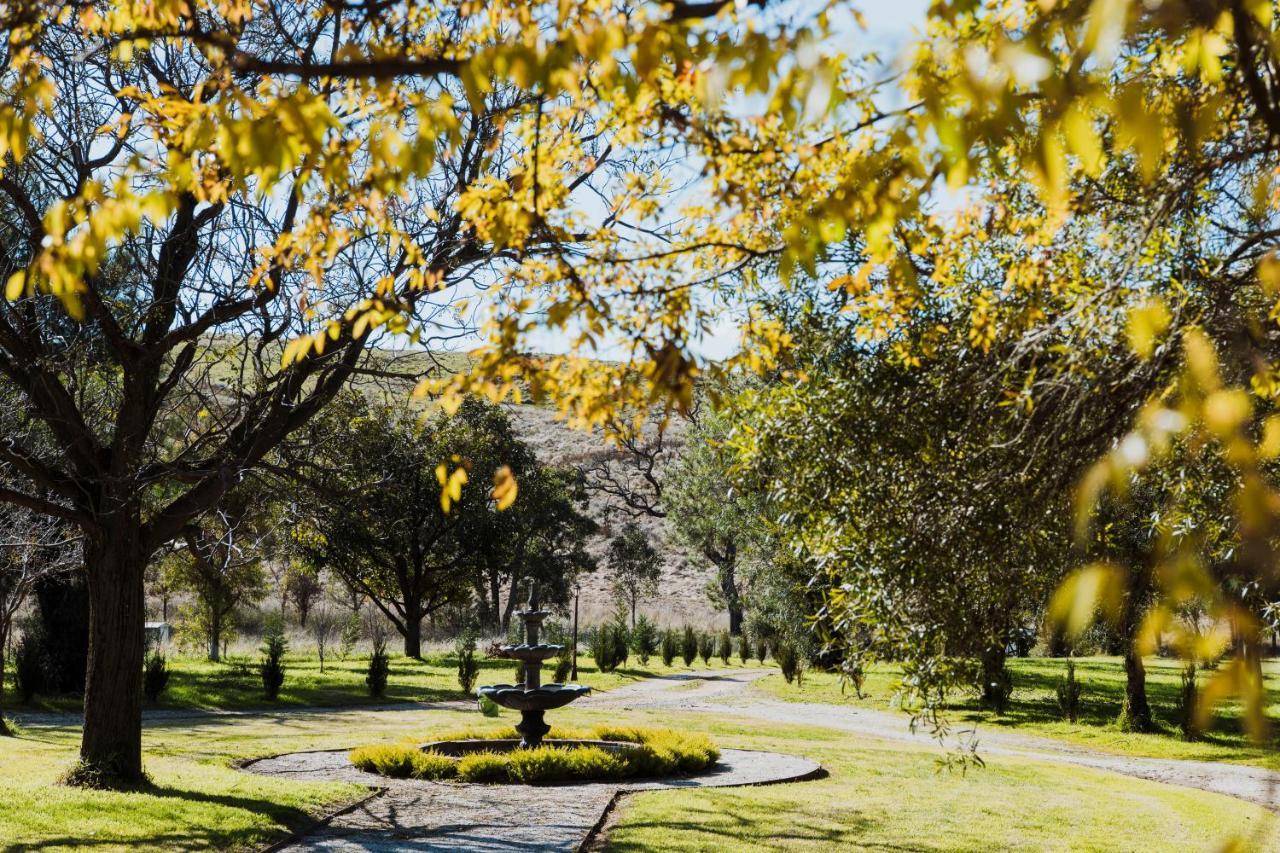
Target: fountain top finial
<point>533,594</point>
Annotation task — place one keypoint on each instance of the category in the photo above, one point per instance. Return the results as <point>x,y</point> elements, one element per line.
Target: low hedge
<point>660,752</point>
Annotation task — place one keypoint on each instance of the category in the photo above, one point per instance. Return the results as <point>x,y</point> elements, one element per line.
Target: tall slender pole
<point>573,670</point>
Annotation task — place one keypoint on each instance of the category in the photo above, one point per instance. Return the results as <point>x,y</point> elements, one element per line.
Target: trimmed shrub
<point>155,678</point>
<point>379,668</point>
<point>725,647</point>
<point>621,639</point>
<point>604,648</point>
<point>744,648</point>
<point>468,666</point>
<point>706,648</point>
<point>669,647</point>
<point>644,640</point>
<point>272,669</point>
<point>688,646</point>
<point>659,752</point>
<point>488,707</point>
<point>1069,690</point>
<point>483,767</point>
<point>999,690</point>
<point>404,762</point>
<point>563,667</point>
<point>855,676</point>
<point>788,661</point>
<point>762,649</point>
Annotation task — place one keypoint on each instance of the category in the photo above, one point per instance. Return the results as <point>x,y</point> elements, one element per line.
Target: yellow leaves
<point>1096,587</point>
<point>505,488</point>
<point>1236,678</point>
<point>1146,324</point>
<point>451,484</point>
<point>16,285</point>
<point>1225,410</point>
<point>1083,139</point>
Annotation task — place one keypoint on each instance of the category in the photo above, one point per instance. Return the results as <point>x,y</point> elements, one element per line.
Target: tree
<point>32,548</point>
<point>223,560</point>
<point>326,624</point>
<point>302,585</point>
<point>709,512</point>
<point>377,513</point>
<point>635,566</point>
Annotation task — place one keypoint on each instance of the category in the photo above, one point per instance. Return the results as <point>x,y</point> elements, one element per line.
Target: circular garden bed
<point>603,753</point>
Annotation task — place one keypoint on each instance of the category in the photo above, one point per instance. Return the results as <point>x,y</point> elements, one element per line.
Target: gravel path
<point>728,691</point>
<point>413,815</point>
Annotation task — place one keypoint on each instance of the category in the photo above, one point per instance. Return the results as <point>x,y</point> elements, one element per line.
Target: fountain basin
<point>544,698</point>
<point>536,654</point>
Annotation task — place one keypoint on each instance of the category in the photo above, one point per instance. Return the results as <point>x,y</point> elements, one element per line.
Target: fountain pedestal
<point>532,698</point>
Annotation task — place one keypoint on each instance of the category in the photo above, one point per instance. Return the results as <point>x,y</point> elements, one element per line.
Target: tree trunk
<point>4,641</point>
<point>729,587</point>
<point>412,629</point>
<point>1136,714</point>
<point>633,613</point>
<point>111,746</point>
<point>215,634</point>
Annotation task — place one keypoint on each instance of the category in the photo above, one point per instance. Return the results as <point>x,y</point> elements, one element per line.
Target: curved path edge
<point>418,815</point>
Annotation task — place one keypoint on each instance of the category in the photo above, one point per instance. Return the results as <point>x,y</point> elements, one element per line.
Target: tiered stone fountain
<point>532,698</point>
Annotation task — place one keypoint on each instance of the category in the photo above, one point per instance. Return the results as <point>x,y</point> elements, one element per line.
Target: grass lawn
<point>195,682</point>
<point>878,796</point>
<point>1033,708</point>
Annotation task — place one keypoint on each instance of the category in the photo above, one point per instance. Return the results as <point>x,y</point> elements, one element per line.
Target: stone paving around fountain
<point>407,814</point>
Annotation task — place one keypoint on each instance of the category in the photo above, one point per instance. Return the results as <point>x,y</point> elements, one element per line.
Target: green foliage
<point>379,668</point>
<point>1068,691</point>
<point>789,661</point>
<point>635,565</point>
<point>488,707</point>
<point>762,648</point>
<point>644,640</point>
<point>403,762</point>
<point>744,648</point>
<point>350,636</point>
<point>997,689</point>
<point>155,678</point>
<point>272,668</point>
<point>604,648</point>
<point>621,638</point>
<point>388,458</point>
<point>689,645</point>
<point>564,666</point>
<point>658,752</point>
<point>669,647</point>
<point>468,666</point>
<point>724,648</point>
<point>706,646</point>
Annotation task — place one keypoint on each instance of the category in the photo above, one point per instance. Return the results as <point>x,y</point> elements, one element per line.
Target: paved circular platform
<point>410,814</point>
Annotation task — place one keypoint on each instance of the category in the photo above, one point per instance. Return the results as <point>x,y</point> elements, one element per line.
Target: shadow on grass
<point>196,837</point>
<point>732,828</point>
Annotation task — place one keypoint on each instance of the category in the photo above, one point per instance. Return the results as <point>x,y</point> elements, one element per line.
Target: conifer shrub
<point>725,647</point>
<point>644,640</point>
<point>1068,691</point>
<point>706,647</point>
<point>468,666</point>
<point>669,647</point>
<point>272,668</point>
<point>688,646</point>
<point>155,677</point>
<point>379,668</point>
<point>1187,698</point>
